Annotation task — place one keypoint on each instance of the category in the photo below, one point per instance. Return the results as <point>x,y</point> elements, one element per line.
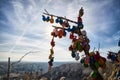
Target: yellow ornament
<point>50,56</point>
<point>51,51</point>
<point>74,45</point>
<point>51,20</point>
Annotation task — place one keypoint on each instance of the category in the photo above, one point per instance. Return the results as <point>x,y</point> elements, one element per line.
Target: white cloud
<point>116,36</point>
<point>26,20</point>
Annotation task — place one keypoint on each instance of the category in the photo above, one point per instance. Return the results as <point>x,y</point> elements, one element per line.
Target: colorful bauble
<point>77,57</point>
<point>60,33</point>
<point>65,24</point>
<point>70,48</point>
<point>51,51</point>
<point>73,53</point>
<point>50,63</point>
<point>87,60</point>
<point>51,20</point>
<point>81,12</point>
<point>57,20</point>
<point>82,60</point>
<point>52,43</point>
<point>48,19</point>
<point>71,35</point>
<point>78,46</point>
<point>61,21</point>
<point>43,18</point>
<point>74,28</point>
<point>94,74</point>
<point>84,33</point>
<point>96,64</point>
<point>69,29</point>
<point>79,19</point>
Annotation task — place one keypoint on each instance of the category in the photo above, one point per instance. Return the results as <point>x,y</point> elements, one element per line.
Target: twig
<point>23,57</point>
<point>46,13</point>
<point>57,27</point>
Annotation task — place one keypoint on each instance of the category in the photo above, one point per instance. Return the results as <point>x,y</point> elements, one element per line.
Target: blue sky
<point>22,29</point>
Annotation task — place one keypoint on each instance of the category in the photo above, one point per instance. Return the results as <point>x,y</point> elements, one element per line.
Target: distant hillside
<point>72,71</point>
<point>76,71</point>
<point>23,67</point>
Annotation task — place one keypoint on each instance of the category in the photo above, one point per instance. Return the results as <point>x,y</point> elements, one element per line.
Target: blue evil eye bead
<point>48,19</point>
<point>57,20</point>
<point>68,29</point>
<point>43,18</point>
<point>79,24</point>
<point>92,59</point>
<point>114,57</point>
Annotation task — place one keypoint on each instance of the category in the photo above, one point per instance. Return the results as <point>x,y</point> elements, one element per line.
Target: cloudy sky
<point>22,29</point>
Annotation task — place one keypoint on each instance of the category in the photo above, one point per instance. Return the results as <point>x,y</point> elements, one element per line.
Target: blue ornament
<point>92,59</point>
<point>43,18</point>
<point>48,18</point>
<point>57,20</point>
<point>68,29</point>
<point>74,28</point>
<point>80,24</point>
<point>64,33</point>
<point>113,58</point>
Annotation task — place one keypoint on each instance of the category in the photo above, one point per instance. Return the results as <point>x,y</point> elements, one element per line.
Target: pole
<point>8,74</point>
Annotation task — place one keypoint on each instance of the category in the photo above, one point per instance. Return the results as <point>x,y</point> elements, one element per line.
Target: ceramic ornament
<point>43,18</point>
<point>51,20</point>
<point>77,57</point>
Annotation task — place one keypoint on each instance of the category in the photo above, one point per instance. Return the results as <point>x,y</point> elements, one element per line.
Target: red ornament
<point>52,33</point>
<point>97,56</point>
<point>74,39</point>
<point>52,43</point>
<point>60,33</point>
<point>50,63</point>
<point>79,19</point>
<point>70,48</point>
<point>71,35</point>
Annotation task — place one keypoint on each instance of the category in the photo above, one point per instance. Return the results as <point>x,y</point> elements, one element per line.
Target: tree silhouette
<point>79,42</point>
